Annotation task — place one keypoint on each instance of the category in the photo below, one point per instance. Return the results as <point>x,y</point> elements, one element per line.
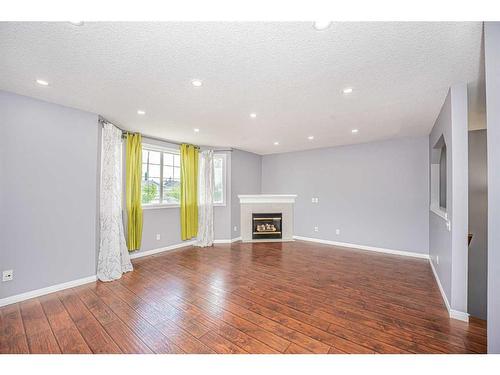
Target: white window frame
<point>223,156</point>
<point>153,206</point>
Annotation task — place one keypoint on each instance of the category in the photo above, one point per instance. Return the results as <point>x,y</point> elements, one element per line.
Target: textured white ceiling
<point>291,75</point>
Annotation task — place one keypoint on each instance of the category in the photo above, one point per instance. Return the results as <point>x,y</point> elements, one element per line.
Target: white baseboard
<point>443,294</point>
<point>455,314</point>
<point>364,247</point>
<point>141,254</point>
<point>228,241</point>
<point>50,289</point>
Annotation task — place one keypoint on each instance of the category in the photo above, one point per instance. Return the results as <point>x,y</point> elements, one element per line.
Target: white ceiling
<point>290,74</point>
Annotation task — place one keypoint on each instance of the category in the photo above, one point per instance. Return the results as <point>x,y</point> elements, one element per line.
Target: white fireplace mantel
<point>267,198</point>
<point>266,204</point>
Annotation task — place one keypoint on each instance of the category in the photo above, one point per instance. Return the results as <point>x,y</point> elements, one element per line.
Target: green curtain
<point>189,191</point>
<point>133,191</point>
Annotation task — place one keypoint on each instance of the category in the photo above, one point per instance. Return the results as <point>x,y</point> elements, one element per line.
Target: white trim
<point>228,241</point>
<point>50,289</point>
<point>157,206</point>
<point>443,294</point>
<point>153,147</point>
<point>459,315</point>
<point>267,198</point>
<point>140,254</point>
<point>439,212</point>
<point>454,314</point>
<point>364,247</point>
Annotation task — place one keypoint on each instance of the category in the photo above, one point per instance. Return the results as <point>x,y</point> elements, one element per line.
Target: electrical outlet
<point>314,200</point>
<point>158,236</point>
<point>337,231</point>
<point>316,229</point>
<point>7,275</point>
<point>235,228</point>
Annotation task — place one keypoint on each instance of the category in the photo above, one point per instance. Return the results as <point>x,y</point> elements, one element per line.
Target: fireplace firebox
<point>266,226</point>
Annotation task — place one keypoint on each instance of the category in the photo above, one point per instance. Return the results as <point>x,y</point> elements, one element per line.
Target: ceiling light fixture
<point>76,23</point>
<point>322,25</point>
<point>311,137</point>
<point>276,143</point>
<point>354,131</point>
<point>196,83</point>
<point>196,130</point>
<point>347,90</point>
<point>41,82</point>
<point>253,115</point>
<point>141,112</point>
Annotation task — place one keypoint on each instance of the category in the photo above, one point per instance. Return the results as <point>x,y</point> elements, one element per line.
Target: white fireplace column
<point>264,204</point>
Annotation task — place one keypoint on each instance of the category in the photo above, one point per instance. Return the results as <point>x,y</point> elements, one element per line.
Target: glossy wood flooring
<point>263,298</point>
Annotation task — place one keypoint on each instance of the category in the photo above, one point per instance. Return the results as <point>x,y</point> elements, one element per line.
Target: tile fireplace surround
<point>266,203</point>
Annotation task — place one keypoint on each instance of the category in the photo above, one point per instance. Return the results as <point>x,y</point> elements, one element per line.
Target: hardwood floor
<point>293,297</point>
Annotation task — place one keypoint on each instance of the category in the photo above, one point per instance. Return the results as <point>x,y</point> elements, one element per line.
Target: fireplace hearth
<point>267,226</point>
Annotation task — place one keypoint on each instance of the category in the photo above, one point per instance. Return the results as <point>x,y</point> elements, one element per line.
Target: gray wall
<point>375,193</point>
<point>492,69</point>
<point>246,177</point>
<point>439,236</point>
<point>48,196</point>
<point>450,246</point>
<point>478,224</point>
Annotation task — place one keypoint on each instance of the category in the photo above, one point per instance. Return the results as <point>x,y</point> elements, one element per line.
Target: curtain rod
<point>102,120</point>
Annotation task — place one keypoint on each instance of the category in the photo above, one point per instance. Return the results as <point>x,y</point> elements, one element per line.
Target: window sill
<point>439,212</point>
<point>159,206</point>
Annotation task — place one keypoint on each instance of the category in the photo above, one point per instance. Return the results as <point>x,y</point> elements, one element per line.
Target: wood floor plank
<point>93,333</point>
<point>12,335</point>
<point>220,344</point>
<point>41,339</point>
<point>125,338</point>
<point>65,331</point>
<point>293,298</point>
<point>159,343</point>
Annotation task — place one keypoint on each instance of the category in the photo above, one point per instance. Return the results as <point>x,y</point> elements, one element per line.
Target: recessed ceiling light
<point>141,112</point>
<point>253,115</point>
<point>347,90</point>
<point>41,82</point>
<point>76,23</point>
<point>322,25</point>
<point>196,83</point>
<point>276,143</point>
<point>196,130</point>
<point>354,131</point>
<point>311,137</point>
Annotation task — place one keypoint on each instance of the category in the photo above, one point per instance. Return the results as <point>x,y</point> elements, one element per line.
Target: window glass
<point>219,178</point>
<point>160,178</point>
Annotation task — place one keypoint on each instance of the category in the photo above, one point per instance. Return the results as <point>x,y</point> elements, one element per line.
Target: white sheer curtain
<point>205,199</point>
<point>114,258</point>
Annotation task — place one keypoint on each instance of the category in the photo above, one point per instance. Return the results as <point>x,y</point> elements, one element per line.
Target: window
<point>220,179</point>
<point>161,176</point>
<point>442,178</point>
<point>439,178</point>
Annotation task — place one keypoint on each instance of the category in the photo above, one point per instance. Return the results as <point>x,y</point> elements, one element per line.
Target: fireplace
<point>266,226</point>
